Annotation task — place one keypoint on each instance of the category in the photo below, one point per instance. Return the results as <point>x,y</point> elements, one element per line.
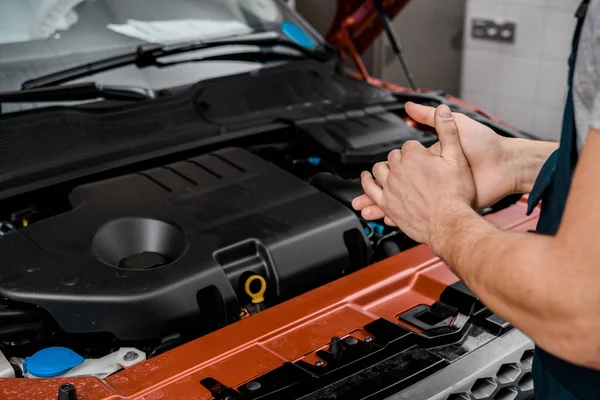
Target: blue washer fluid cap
<point>297,34</point>
<point>314,161</point>
<point>51,362</point>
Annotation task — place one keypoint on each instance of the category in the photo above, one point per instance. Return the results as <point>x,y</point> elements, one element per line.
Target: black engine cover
<point>360,137</point>
<point>141,253</point>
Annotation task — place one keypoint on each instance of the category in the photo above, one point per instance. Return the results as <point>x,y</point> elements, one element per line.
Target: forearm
<point>527,158</point>
<point>520,276</point>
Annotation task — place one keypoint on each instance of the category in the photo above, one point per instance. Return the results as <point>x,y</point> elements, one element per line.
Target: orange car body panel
<point>288,332</point>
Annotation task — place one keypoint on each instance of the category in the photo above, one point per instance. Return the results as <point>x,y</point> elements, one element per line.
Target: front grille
<point>512,381</point>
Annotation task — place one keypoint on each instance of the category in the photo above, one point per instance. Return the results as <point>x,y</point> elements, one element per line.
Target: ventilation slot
<point>459,396</point>
<point>527,359</point>
<point>483,388</point>
<point>156,182</point>
<point>509,373</point>
<point>226,161</point>
<point>202,167</point>
<point>513,381</point>
<point>182,176</point>
<point>526,382</point>
<point>507,393</point>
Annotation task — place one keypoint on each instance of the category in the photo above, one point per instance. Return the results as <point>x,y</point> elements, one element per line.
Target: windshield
<point>38,37</point>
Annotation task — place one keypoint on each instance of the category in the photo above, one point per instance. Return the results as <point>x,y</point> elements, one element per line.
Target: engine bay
<point>118,253</point>
<point>175,246</point>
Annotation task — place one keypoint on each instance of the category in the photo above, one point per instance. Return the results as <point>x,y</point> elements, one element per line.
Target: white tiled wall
<point>523,83</point>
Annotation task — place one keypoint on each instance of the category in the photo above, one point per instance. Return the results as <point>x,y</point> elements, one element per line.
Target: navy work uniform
<point>556,379</point>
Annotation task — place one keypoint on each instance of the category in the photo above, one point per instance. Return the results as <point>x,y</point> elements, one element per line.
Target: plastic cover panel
<point>363,138</point>
<point>306,93</point>
<point>57,142</point>
<point>133,254</point>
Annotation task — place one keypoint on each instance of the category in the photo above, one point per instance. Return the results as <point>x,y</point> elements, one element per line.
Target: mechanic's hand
<point>417,189</point>
<point>487,152</point>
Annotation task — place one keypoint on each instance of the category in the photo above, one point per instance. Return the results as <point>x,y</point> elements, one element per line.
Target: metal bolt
<point>368,339</point>
<point>319,363</point>
<point>253,385</point>
<point>130,356</point>
<point>67,392</point>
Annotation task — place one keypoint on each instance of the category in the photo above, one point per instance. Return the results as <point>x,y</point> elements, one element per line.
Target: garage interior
<point>522,82</point>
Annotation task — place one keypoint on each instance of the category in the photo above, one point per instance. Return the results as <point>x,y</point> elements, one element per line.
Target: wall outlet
<point>498,31</point>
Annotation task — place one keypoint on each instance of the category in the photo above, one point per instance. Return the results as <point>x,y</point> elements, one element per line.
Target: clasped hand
<point>417,189</point>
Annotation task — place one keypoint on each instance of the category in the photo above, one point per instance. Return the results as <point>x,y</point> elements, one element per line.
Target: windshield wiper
<point>263,54</point>
<point>148,55</point>
<point>77,92</point>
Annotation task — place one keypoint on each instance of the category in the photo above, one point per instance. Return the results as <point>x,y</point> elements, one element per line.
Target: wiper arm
<point>262,55</point>
<point>147,55</point>
<point>76,92</point>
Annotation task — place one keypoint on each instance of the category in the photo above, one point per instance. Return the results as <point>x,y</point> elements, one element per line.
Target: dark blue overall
<point>555,379</point>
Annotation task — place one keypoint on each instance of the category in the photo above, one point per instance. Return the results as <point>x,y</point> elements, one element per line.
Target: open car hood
<point>355,27</point>
<point>357,21</point>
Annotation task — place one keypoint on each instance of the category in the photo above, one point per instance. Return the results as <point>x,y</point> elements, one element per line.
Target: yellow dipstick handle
<point>256,297</point>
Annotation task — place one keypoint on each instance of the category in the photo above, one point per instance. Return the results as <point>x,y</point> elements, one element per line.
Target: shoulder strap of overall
<point>565,158</point>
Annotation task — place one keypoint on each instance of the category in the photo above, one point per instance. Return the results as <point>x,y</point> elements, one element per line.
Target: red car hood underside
<point>358,21</point>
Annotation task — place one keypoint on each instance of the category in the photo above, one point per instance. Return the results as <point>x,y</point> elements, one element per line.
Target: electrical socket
<point>498,31</point>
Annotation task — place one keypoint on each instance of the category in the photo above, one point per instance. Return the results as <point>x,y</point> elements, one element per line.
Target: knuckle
<point>380,167</point>
<point>394,177</point>
<point>445,122</point>
<point>394,154</point>
<point>410,145</point>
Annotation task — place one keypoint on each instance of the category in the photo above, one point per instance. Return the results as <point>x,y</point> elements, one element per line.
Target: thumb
<point>447,131</point>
